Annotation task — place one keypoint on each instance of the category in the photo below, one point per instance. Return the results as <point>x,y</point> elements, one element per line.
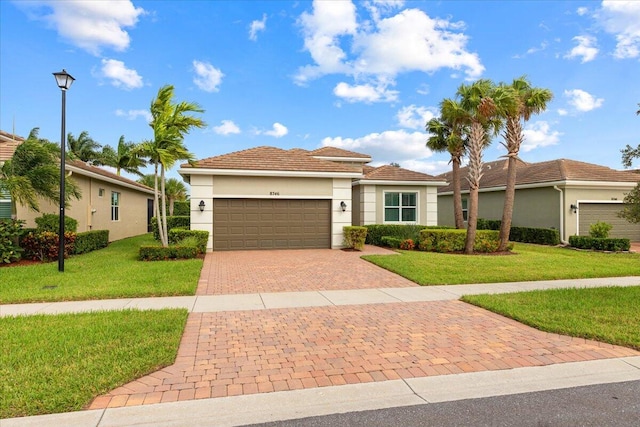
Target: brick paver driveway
<point>247,272</point>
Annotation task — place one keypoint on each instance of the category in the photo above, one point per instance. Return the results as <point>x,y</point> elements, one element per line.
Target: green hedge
<point>452,240</point>
<point>51,222</point>
<point>391,242</point>
<point>540,236</point>
<point>90,241</point>
<point>158,253</point>
<point>600,244</point>
<point>354,237</point>
<point>176,235</point>
<point>181,208</point>
<point>10,230</point>
<point>375,232</point>
<point>172,222</point>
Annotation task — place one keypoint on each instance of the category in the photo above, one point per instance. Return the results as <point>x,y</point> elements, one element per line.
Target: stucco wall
<point>133,209</point>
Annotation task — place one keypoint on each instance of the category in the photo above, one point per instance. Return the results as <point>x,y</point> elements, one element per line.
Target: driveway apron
<point>257,351</point>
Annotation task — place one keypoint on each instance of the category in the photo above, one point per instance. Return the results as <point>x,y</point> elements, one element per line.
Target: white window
<point>115,206</point>
<point>400,207</point>
<point>465,209</point>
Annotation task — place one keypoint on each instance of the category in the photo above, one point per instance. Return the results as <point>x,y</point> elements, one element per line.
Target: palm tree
<point>483,104</point>
<point>170,123</point>
<point>175,190</point>
<point>448,134</point>
<point>83,148</point>
<point>125,158</point>
<point>528,101</point>
<point>147,180</point>
<point>33,172</point>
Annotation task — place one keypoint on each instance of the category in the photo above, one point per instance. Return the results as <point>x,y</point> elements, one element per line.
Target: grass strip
<point>527,263</point>
<point>608,314</point>
<point>60,363</point>
<point>112,272</point>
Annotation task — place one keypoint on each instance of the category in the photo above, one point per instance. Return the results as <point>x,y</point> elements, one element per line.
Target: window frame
<point>400,207</point>
<point>115,208</point>
<point>465,209</point>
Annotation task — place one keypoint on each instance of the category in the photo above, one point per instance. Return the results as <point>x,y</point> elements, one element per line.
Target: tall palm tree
<point>528,101</point>
<point>175,190</point>
<point>170,122</point>
<point>147,180</point>
<point>33,172</point>
<point>483,103</point>
<point>83,148</point>
<point>448,133</point>
<point>124,158</point>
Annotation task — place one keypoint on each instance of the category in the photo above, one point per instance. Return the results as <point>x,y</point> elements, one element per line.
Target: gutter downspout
<point>564,242</point>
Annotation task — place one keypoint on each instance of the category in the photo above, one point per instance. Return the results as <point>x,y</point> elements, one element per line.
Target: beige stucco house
<point>108,201</point>
<point>266,197</point>
<point>564,194</point>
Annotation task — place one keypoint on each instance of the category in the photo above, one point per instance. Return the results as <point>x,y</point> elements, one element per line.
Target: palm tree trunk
<point>165,242</point>
<point>476,143</point>
<point>514,137</point>
<point>156,205</point>
<point>171,201</point>
<point>457,194</point>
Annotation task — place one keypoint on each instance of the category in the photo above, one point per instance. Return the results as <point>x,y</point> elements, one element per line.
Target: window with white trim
<point>115,206</point>
<point>465,209</point>
<point>400,207</point>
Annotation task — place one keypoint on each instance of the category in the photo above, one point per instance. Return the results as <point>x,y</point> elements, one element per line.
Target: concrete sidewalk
<point>265,301</point>
<point>277,406</point>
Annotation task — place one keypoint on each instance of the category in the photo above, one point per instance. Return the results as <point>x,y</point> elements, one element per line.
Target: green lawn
<point>60,363</point>
<point>607,314</point>
<point>112,272</point>
<point>528,262</point>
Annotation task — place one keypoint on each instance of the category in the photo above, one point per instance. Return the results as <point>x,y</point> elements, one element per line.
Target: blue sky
<point>364,76</point>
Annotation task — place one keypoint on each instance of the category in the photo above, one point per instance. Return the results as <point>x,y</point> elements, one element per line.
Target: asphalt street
<point>602,405</point>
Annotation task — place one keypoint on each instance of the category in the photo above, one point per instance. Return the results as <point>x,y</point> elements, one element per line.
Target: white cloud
<point>227,127</point>
<point>423,89</point>
<point>278,131</point>
<point>583,101</point>
<point>397,146</point>
<point>582,11</point>
<point>208,77</point>
<point>413,117</point>
<point>585,49</point>
<point>90,25</point>
<point>381,48</point>
<point>562,112</point>
<point>257,26</point>
<point>120,75</point>
<point>622,19</point>
<point>365,93</point>
<point>134,114</point>
<point>539,134</point>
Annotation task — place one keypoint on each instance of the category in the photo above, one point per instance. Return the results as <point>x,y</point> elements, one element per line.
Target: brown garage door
<point>240,224</point>
<point>591,213</point>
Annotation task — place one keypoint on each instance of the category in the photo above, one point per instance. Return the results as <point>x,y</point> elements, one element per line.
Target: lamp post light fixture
<point>201,205</point>
<point>343,206</point>
<point>64,81</point>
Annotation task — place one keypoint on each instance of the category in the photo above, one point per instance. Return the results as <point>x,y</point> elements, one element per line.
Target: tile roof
<point>394,173</point>
<point>495,174</point>
<point>8,145</point>
<point>271,159</point>
<point>338,152</point>
<point>105,173</point>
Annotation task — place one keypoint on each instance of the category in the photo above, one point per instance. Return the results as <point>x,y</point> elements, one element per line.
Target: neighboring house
<point>266,197</point>
<point>8,144</point>
<point>563,194</point>
<point>108,201</point>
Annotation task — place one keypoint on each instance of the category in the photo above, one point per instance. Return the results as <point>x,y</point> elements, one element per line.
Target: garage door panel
<point>590,213</point>
<point>241,224</point>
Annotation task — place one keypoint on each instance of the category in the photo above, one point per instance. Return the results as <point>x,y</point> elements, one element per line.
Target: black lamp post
<point>64,80</point>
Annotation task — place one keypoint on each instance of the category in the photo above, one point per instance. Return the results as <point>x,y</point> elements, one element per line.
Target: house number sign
<point>274,193</point>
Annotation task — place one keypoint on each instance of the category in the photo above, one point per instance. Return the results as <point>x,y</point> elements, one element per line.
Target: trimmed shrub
<point>540,236</point>
<point>375,232</point>
<point>355,237</point>
<point>178,235</point>
<point>172,222</point>
<point>390,242</point>
<point>10,231</point>
<point>159,253</point>
<point>181,208</point>
<point>44,246</point>
<point>600,230</point>
<point>408,245</point>
<point>51,222</point>
<point>599,243</point>
<point>90,241</point>
<point>452,240</point>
